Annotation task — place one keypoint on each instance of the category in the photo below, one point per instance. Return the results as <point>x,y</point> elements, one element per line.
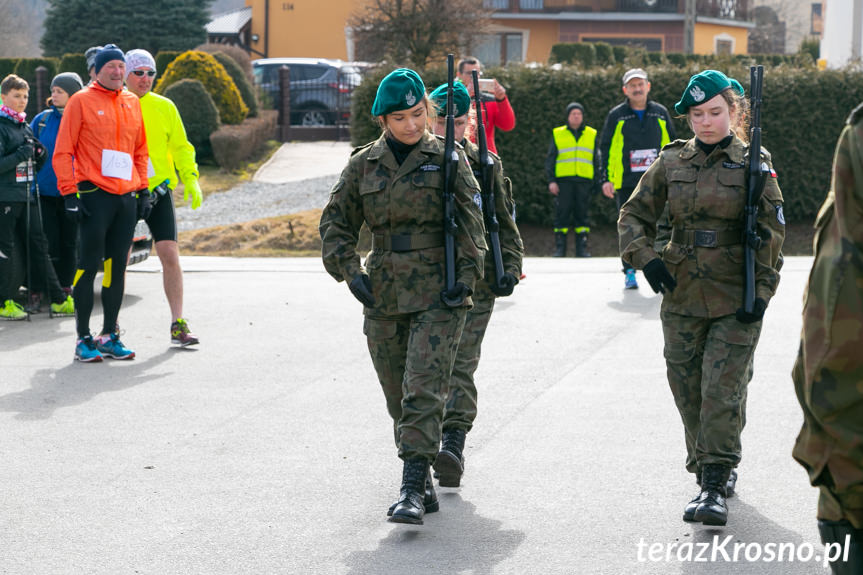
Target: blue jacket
<point>47,134</point>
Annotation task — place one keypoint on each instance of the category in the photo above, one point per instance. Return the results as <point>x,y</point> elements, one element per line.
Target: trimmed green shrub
<point>802,148</point>
<point>237,54</point>
<point>233,145</point>
<point>584,54</point>
<point>620,53</point>
<point>74,63</point>
<point>240,81</point>
<point>7,66</point>
<point>164,59</point>
<point>604,54</point>
<point>26,68</point>
<point>207,70</point>
<point>199,113</point>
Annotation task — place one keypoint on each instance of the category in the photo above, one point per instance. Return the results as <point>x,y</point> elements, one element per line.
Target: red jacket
<point>496,114</point>
<point>96,119</point>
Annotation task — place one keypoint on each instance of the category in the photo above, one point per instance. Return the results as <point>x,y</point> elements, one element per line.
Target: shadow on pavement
<point>634,302</point>
<point>77,383</point>
<point>455,540</point>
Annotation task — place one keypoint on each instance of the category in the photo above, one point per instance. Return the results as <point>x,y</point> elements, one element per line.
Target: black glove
<point>756,315</point>
<point>658,276</point>
<point>507,284</point>
<point>455,296</point>
<point>361,287</point>
<point>25,151</point>
<point>145,205</point>
<point>74,207</point>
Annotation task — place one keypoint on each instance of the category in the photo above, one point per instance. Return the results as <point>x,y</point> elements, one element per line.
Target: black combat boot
<point>581,249</point>
<point>844,534</point>
<point>410,508</point>
<point>712,509</point>
<point>732,483</point>
<point>689,510</point>
<point>560,245</point>
<point>430,501</point>
<point>450,459</point>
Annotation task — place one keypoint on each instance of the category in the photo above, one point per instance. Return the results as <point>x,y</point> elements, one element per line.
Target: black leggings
<point>106,228</point>
<point>13,239</point>
<point>62,235</point>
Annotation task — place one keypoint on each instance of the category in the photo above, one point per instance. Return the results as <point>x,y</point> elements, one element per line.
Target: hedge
<point>240,81</point>
<point>207,70</point>
<point>7,66</point>
<point>199,114</point>
<point>74,62</point>
<point>233,145</point>
<point>803,112</point>
<point>164,59</point>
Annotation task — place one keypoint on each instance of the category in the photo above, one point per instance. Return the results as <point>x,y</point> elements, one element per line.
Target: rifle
<point>486,180</point>
<point>450,170</point>
<point>756,172</point>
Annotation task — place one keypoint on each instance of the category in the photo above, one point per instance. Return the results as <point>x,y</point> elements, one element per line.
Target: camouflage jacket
<point>511,246</point>
<point>704,193</point>
<point>830,379</point>
<point>402,200</point>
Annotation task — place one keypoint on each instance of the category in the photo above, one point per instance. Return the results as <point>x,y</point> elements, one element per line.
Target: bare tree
<point>20,28</point>
<point>416,31</point>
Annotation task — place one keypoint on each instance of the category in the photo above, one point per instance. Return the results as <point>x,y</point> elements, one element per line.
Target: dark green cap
<point>460,99</point>
<point>704,86</point>
<point>399,90</point>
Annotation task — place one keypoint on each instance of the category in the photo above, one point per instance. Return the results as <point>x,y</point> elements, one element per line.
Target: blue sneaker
<point>111,346</point>
<point>86,351</point>
<point>630,280</point>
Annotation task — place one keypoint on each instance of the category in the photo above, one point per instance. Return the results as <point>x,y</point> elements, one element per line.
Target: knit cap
<point>107,54</point>
<point>69,82</point>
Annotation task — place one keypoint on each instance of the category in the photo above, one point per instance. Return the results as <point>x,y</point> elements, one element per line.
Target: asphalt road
<point>267,449</point>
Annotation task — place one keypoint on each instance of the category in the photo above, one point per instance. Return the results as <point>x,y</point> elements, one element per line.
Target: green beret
<point>399,90</point>
<point>704,86</point>
<point>460,99</point>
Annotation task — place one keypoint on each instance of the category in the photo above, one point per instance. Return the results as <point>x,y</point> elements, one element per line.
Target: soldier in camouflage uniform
<point>460,409</point>
<point>828,375</point>
<point>709,339</point>
<point>395,186</point>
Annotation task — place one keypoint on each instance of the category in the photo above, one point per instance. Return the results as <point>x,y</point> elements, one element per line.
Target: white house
<point>843,28</point>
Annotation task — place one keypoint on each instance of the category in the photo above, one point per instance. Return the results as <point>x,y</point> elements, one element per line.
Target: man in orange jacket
<point>101,163</point>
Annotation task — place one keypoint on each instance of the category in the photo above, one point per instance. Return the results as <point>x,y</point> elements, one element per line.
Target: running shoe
<point>111,346</point>
<point>630,282</point>
<point>64,309</point>
<point>12,311</point>
<point>86,351</point>
<point>181,334</point>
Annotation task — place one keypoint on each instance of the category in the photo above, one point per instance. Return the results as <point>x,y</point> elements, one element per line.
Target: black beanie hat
<point>108,54</point>
<point>572,106</point>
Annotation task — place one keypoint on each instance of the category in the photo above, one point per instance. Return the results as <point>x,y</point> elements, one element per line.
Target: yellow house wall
<point>705,38</point>
<point>302,28</point>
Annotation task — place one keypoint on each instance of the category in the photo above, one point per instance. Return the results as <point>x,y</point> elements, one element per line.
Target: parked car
<point>320,89</point>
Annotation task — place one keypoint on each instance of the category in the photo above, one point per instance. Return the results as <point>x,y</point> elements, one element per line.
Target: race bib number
<point>24,172</point>
<point>640,160</point>
<point>116,165</point>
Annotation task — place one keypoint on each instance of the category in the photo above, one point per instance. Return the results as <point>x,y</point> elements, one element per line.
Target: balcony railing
<point>725,9</point>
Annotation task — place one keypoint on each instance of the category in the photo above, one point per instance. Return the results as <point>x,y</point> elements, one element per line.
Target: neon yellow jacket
<point>169,148</point>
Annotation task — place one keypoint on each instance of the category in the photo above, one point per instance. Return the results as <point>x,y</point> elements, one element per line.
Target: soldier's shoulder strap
<point>856,115</point>
<point>359,149</point>
<point>678,143</point>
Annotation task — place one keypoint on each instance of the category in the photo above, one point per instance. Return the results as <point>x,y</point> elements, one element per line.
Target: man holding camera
<point>169,149</point>
<point>497,112</point>
<point>21,155</point>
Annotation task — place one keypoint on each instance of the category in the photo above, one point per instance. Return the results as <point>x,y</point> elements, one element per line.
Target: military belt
<point>706,238</point>
<point>406,242</point>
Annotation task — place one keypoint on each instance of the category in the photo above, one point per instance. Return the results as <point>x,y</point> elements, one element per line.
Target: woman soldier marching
<point>709,339</point>
<point>461,407</point>
<point>395,185</point>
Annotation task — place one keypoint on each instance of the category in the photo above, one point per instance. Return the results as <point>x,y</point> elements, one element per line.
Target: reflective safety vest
<point>615,152</point>
<point>574,158</point>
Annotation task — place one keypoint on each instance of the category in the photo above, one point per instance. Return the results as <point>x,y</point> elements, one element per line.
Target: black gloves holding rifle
<point>507,284</point>
<point>361,287</point>
<point>659,277</point>
<point>145,205</point>
<point>757,312</point>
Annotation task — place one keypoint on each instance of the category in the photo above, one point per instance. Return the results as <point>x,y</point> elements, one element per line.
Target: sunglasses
<point>150,73</point>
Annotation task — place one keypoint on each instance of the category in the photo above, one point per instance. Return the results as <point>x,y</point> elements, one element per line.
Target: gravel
<point>255,200</point>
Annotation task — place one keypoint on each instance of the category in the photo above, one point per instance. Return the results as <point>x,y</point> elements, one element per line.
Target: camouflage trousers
<point>413,356</point>
<point>460,409</point>
<point>709,365</point>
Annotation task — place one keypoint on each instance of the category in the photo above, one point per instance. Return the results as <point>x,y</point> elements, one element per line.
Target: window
<point>496,4</point>
<point>498,49</point>
<point>530,4</point>
<point>723,44</point>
